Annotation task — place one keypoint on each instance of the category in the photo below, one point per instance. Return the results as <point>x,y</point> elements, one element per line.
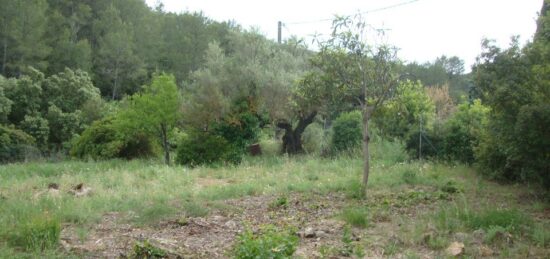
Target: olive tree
<point>254,68</point>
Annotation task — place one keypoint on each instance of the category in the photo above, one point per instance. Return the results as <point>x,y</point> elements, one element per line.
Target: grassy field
<point>413,210</point>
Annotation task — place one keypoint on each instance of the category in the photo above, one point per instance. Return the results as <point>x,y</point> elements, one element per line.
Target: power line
<point>390,7</point>
<point>365,12</point>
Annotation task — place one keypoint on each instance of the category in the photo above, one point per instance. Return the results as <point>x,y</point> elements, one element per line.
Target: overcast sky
<point>422,29</point>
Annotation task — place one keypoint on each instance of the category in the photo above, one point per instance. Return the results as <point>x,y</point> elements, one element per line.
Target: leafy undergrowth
<point>270,242</point>
<point>411,210</point>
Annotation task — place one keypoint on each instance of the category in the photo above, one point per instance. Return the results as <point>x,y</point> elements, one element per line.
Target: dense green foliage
<point>409,109</point>
<point>454,139</point>
<point>14,144</point>
<point>240,127</point>
<point>102,140</point>
<point>155,111</point>
<point>462,132</point>
<point>119,43</point>
<point>203,148</point>
<point>52,109</point>
<point>514,83</point>
<point>347,132</point>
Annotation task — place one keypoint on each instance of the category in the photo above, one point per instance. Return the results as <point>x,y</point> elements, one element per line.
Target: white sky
<point>422,30</point>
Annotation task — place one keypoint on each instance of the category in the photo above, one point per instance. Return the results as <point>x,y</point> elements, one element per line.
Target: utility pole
<point>279,28</point>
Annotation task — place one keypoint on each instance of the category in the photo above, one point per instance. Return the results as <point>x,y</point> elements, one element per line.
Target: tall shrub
<point>347,132</point>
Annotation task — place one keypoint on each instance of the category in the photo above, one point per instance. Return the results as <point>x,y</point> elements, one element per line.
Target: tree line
<point>118,79</point>
<point>118,43</point>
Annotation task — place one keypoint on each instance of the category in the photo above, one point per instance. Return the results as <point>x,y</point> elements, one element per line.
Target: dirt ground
<point>214,236</point>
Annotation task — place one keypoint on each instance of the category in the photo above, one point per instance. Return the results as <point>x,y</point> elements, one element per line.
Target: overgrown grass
<point>146,192</point>
<point>149,191</point>
<point>36,234</point>
<point>512,220</point>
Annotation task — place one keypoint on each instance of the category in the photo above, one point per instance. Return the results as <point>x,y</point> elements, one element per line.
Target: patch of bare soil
<point>213,236</point>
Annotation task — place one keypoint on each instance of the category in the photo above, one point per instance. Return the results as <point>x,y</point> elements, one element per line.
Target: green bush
<point>513,83</point>
<point>203,148</point>
<point>241,127</point>
<point>102,141</point>
<point>14,144</point>
<point>347,132</point>
<point>270,243</point>
<point>531,152</point>
<point>402,114</point>
<point>463,131</point>
<point>456,139</point>
<point>518,153</point>
<point>38,128</point>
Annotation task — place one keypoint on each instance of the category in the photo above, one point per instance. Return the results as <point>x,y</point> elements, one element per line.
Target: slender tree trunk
<point>165,144</point>
<point>366,156</point>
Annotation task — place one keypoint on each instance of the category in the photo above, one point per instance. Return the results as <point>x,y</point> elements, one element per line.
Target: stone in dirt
<point>309,232</point>
<point>455,249</point>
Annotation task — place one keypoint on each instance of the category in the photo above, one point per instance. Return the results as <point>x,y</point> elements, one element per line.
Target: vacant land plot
<point>306,206</point>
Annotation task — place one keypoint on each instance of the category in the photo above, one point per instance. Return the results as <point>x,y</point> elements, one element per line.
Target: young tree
<point>362,74</point>
<point>155,109</point>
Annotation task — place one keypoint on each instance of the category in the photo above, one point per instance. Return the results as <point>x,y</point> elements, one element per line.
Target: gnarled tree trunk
<point>292,140</point>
